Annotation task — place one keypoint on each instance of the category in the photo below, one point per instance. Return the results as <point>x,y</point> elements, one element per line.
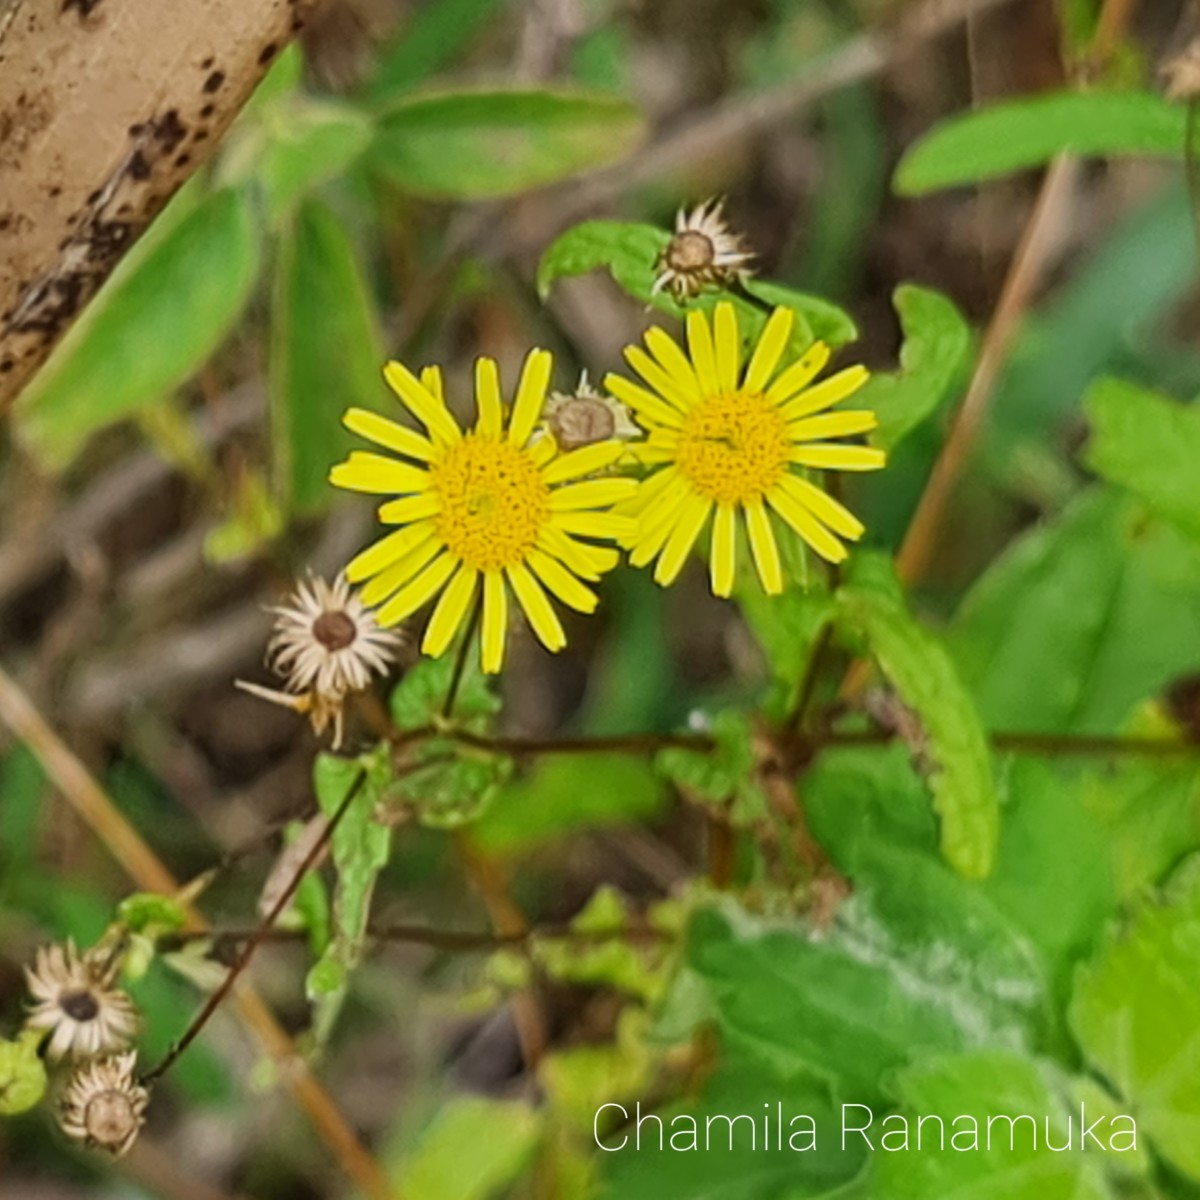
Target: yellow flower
<point>725,440</point>
<point>492,509</point>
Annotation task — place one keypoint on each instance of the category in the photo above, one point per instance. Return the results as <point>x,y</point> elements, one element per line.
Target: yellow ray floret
<point>484,512</point>
<point>723,440</point>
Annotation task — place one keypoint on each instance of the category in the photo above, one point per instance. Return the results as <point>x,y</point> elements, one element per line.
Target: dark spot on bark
<point>125,208</point>
<point>108,239</point>
<point>137,130</point>
<point>214,81</point>
<point>169,130</point>
<point>199,135</point>
<point>5,222</point>
<point>55,191</point>
<point>84,7</point>
<point>93,196</point>
<point>6,366</point>
<point>183,160</point>
<point>206,65</point>
<point>268,52</point>
<point>139,167</point>
<point>297,24</point>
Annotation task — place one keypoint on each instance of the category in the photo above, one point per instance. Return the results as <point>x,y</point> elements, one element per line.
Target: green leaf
<point>472,1150</point>
<point>22,1074</point>
<point>937,342</point>
<point>896,978</point>
<point>360,847</point>
<point>469,145</point>
<point>630,251</point>
<point>325,353</point>
<point>725,776</point>
<point>307,143</point>
<point>1136,1014</point>
<point>152,914</point>
<point>920,668</point>
<point>565,794</point>
<point>22,790</point>
<point>431,36</point>
<point>161,315</point>
<point>1028,132</point>
<point>1148,444</point>
<point>1082,618</point>
<point>986,1120</point>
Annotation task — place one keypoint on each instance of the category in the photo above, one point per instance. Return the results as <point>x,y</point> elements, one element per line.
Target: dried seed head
<point>703,252</point>
<point>78,1005</point>
<point>103,1106</point>
<point>586,416</point>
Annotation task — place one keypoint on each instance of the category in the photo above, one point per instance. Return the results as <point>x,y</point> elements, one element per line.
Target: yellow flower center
<point>733,447</point>
<point>494,502</point>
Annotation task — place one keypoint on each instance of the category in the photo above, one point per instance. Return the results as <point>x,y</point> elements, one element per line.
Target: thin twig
<point>141,864</point>
<point>217,998</point>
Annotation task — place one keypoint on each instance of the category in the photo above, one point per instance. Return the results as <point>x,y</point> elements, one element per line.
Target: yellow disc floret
<point>493,499</point>
<point>733,447</point>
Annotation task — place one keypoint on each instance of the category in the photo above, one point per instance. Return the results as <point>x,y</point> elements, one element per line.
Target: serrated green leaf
<point>937,341</point>
<point>1024,133</point>
<point>472,1149</point>
<point>22,1074</point>
<point>629,252</point>
<point>923,673</point>
<point>1136,1014</point>
<point>325,353</point>
<point>1001,1107</point>
<point>161,315</point>
<point>1081,618</point>
<point>1148,444</point>
<point>727,775</point>
<point>360,848</point>
<point>469,145</point>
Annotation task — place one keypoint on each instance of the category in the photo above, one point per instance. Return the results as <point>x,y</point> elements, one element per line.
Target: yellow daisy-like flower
<point>493,509</point>
<point>725,440</point>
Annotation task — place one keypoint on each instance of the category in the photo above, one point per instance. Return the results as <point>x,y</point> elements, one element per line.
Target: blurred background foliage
<point>995,917</point>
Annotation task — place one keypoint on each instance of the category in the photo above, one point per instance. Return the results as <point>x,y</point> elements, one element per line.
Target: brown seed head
<point>334,630</point>
<point>581,421</point>
<point>690,251</point>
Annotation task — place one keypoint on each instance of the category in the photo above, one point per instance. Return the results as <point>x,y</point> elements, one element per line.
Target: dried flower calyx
<point>103,1105</point>
<point>703,252</point>
<point>78,1004</point>
<point>586,416</point>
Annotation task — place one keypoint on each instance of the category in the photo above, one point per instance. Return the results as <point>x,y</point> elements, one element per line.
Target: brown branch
<point>91,803</point>
<point>105,111</point>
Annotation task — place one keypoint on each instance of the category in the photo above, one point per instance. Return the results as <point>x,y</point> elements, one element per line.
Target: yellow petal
<point>645,404</point>
<point>381,586</point>
<point>833,425</point>
<point>769,350</point>
<point>389,434</point>
<point>807,526</point>
<point>656,524</point>
<point>727,346</point>
<point>588,562</point>
<point>800,374</point>
<point>723,553</point>
<point>386,551</point>
<point>378,475</point>
<point>450,611</point>
<point>604,525</point>
<point>562,583</point>
<point>659,380</point>
<point>423,403</point>
<point>763,547</point>
<point>487,397</point>
<point>420,591</point>
<point>700,347</point>
<point>838,458</point>
<point>683,537</point>
<point>495,622</point>
<point>542,617</point>
<point>431,380</point>
<point>673,360</point>
<point>823,506</point>
<point>826,394</point>
<point>410,508</point>
<point>583,461</point>
<point>531,395</point>
<point>592,493</point>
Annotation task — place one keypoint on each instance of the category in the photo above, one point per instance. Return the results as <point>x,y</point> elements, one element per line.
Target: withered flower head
<point>78,1004</point>
<point>703,252</point>
<point>103,1106</point>
<point>586,416</point>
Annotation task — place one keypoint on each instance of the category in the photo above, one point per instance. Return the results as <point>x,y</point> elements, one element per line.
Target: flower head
<point>486,512</point>
<point>585,416</point>
<point>103,1106</point>
<point>724,440</point>
<point>703,251</point>
<point>78,1005</point>
<point>326,640</point>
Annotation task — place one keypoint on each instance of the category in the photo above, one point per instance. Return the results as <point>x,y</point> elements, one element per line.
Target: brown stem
<point>460,659</point>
